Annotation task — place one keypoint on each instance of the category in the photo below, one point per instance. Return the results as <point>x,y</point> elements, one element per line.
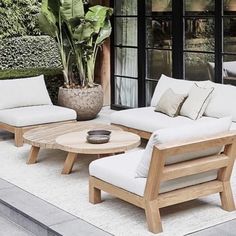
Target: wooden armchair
<point>25,104</point>
<point>153,200</point>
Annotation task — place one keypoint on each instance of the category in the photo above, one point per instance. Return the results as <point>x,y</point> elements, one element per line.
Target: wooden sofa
<point>144,121</point>
<point>153,198</point>
<point>25,104</point>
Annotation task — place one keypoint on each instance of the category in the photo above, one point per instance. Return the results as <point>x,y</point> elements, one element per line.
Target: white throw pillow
<point>179,86</point>
<point>170,103</point>
<point>196,103</point>
<point>23,92</point>
<point>181,134</point>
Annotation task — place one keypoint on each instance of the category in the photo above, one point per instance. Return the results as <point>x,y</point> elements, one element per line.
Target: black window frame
<point>178,50</point>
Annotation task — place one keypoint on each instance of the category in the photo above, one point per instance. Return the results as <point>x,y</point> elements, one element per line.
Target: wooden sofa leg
<point>94,193</point>
<point>19,137</point>
<point>227,199</point>
<point>153,216</point>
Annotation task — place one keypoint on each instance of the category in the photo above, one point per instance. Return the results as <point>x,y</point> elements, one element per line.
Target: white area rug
<point>70,193</point>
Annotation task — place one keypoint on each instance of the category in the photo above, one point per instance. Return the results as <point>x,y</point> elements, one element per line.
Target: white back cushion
<point>165,82</point>
<point>222,102</point>
<point>179,86</point>
<point>23,92</point>
<point>181,134</point>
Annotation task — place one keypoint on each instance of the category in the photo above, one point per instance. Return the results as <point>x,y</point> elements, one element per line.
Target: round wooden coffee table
<point>45,136</point>
<point>75,143</point>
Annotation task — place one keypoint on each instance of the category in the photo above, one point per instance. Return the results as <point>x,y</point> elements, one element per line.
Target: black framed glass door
<point>229,42</point>
<point>158,17</point>
<point>186,39</point>
<point>125,54</point>
<point>199,39</point>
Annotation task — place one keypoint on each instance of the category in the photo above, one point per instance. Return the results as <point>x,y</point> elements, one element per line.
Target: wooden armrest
<point>176,148</point>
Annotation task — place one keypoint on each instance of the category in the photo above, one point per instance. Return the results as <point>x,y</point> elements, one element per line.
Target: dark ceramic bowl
<point>99,132</point>
<point>98,138</point>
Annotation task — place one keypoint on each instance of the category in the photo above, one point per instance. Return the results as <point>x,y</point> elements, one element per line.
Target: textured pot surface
<point>87,102</point>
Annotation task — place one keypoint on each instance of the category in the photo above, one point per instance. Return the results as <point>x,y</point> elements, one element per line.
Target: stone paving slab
<point>74,226</point>
<point>224,229</point>
<point>9,228</point>
<point>34,207</point>
<point>39,216</point>
<point>44,219</point>
<point>4,184</point>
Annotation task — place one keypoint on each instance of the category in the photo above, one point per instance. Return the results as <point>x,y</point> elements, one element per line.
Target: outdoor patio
<point>117,118</point>
<point>69,193</point>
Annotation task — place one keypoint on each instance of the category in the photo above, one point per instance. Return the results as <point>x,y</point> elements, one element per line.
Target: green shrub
<point>31,54</point>
<point>19,18</point>
<point>28,56</point>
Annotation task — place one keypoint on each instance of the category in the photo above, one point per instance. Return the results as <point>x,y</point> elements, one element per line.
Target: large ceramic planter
<point>87,102</point>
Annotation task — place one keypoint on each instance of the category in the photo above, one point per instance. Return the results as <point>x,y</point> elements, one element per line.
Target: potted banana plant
<point>79,34</point>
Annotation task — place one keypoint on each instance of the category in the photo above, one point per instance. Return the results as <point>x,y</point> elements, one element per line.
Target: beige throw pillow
<point>170,103</point>
<point>196,103</point>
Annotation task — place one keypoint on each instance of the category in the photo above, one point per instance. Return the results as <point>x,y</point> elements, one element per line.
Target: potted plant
<point>79,34</point>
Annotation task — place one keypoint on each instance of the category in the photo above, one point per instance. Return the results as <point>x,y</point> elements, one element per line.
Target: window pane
<point>160,5</point>
<point>150,87</point>
<point>229,69</point>
<point>229,34</point>
<point>199,34</point>
<point>126,7</point>
<point>158,62</point>
<point>126,92</point>
<point>199,6</point>
<point>159,33</point>
<point>126,63</point>
<point>199,66</point>
<point>229,7</point>
<point>126,31</point>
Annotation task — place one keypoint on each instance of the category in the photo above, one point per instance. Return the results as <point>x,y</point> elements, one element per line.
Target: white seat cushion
<point>148,120</point>
<point>23,92</point>
<point>26,116</point>
<point>120,171</point>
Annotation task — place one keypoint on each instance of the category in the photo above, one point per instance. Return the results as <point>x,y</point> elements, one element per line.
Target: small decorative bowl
<point>98,138</point>
<point>99,132</point>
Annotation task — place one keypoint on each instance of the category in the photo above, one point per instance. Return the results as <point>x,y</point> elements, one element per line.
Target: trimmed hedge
<point>19,17</point>
<point>29,56</point>
<point>23,51</point>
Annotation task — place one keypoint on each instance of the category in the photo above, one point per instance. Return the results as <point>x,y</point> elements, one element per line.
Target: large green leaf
<point>83,32</point>
<point>47,20</point>
<point>54,7</point>
<point>104,33</point>
<point>71,9</point>
<point>98,14</point>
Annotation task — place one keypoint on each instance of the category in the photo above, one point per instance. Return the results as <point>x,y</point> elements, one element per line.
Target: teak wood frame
<point>152,200</point>
<point>141,133</point>
<point>19,131</point>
